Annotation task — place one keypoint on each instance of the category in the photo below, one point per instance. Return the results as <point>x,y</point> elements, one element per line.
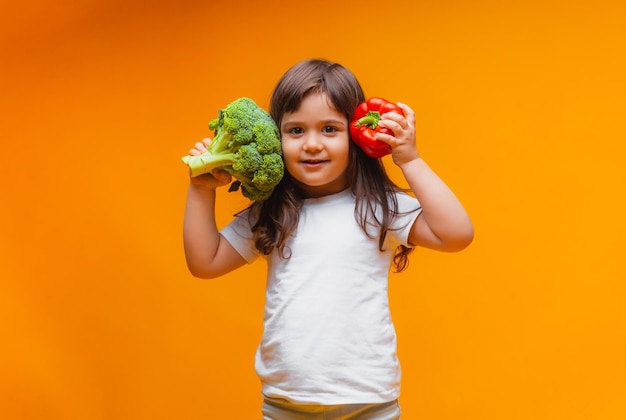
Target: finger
<point>386,138</point>
<point>397,127</point>
<point>395,122</point>
<point>392,116</point>
<point>410,114</point>
<point>199,148</point>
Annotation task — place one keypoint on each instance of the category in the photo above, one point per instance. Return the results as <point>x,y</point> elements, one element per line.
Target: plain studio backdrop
<point>520,108</point>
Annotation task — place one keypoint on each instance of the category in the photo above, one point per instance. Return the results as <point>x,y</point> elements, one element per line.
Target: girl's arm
<point>207,253</point>
<point>443,224</point>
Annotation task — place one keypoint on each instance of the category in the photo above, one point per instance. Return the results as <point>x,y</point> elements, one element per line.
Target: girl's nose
<point>313,143</point>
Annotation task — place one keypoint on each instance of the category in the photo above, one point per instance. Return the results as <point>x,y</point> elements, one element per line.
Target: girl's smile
<point>316,142</point>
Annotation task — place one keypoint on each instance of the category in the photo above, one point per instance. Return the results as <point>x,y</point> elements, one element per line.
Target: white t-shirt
<point>328,335</point>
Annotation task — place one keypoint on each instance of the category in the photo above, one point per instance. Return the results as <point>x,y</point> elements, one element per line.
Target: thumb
<point>221,175</point>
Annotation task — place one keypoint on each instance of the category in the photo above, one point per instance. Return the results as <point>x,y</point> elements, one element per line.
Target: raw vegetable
<point>364,125</point>
<point>246,145</point>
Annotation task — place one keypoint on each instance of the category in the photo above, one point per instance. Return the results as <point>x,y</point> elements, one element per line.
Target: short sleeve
<point>239,234</point>
<point>408,210</point>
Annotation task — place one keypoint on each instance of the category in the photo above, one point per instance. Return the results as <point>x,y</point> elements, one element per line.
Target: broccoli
<point>247,145</point>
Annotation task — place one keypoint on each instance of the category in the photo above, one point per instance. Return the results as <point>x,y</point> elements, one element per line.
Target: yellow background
<point>521,108</point>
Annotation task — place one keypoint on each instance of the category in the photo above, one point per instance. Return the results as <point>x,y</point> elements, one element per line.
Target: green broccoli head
<point>247,145</point>
<point>242,122</point>
<point>265,138</point>
<point>248,161</point>
<point>257,175</point>
<point>270,172</point>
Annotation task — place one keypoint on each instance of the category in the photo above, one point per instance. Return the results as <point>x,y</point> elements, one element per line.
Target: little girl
<point>330,232</point>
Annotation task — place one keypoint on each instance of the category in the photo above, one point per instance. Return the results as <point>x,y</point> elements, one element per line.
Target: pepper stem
<point>370,119</point>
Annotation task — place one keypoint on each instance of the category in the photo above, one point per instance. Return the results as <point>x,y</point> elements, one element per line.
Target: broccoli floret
<point>247,145</point>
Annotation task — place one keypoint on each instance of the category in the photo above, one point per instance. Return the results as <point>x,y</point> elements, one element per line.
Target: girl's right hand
<point>217,178</point>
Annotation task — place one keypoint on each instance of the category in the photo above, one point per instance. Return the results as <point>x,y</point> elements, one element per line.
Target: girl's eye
<point>329,129</point>
<point>296,130</point>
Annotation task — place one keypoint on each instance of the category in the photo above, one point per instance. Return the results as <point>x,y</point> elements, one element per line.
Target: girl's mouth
<point>313,164</point>
<point>314,161</point>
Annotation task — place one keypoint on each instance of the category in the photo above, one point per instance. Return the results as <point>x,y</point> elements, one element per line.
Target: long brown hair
<point>277,217</point>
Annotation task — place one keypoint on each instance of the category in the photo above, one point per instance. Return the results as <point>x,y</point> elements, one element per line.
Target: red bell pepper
<point>364,125</point>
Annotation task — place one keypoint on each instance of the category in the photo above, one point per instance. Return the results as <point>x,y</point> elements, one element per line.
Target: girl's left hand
<point>403,143</point>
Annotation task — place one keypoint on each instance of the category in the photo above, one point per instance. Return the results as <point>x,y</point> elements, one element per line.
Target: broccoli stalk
<point>211,159</point>
<point>247,145</point>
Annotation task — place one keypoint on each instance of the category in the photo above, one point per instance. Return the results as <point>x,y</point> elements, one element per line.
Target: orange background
<point>521,109</point>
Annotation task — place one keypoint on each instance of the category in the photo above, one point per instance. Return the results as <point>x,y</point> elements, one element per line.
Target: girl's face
<point>316,142</point>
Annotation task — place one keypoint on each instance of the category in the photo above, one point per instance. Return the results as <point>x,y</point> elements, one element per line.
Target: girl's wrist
<point>415,164</point>
<point>200,188</point>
